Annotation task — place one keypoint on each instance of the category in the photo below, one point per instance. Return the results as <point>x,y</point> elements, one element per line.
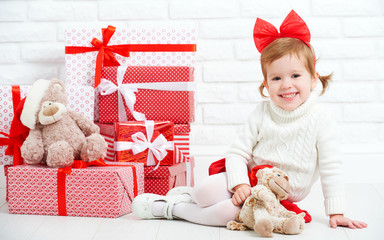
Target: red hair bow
<point>293,26</point>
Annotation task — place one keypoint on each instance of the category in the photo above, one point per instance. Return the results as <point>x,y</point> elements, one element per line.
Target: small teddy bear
<point>262,210</point>
<point>57,135</point>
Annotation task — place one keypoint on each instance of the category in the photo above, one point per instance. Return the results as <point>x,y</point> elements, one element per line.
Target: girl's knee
<point>201,196</point>
<point>211,191</point>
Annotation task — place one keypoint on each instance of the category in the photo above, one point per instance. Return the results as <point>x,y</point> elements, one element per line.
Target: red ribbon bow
<point>18,132</point>
<point>105,56</point>
<point>293,26</point>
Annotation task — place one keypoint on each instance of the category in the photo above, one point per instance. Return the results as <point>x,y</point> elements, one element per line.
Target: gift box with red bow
<point>180,141</point>
<point>148,142</point>
<point>164,178</point>
<point>89,49</point>
<point>80,99</point>
<point>95,191</point>
<point>138,93</point>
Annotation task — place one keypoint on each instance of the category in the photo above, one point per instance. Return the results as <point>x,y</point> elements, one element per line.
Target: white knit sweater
<point>303,143</point>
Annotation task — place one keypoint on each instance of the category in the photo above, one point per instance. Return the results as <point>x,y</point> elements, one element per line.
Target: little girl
<point>291,131</point>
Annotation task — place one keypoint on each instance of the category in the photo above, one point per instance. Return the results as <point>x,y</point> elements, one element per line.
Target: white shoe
<point>180,190</point>
<point>142,205</point>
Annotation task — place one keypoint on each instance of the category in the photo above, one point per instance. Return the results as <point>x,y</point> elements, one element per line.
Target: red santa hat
<point>252,177</point>
<point>33,101</point>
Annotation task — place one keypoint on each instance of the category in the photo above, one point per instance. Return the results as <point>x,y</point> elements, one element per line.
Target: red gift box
<point>105,191</point>
<point>148,142</point>
<point>180,141</point>
<point>164,178</point>
<point>136,93</point>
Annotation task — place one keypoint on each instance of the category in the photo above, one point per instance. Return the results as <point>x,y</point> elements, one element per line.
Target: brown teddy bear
<point>262,210</point>
<point>57,135</point>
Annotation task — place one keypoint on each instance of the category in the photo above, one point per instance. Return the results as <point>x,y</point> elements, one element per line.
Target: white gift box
<point>147,47</point>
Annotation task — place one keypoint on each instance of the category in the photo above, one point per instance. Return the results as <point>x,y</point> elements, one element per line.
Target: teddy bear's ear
<point>259,174</point>
<point>58,85</point>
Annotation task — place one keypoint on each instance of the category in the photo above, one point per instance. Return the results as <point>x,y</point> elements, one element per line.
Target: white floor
<point>365,202</point>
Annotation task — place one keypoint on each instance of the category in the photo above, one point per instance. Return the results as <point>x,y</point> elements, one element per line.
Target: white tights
<point>212,203</point>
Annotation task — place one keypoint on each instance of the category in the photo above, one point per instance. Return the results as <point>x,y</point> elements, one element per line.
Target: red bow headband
<point>293,26</point>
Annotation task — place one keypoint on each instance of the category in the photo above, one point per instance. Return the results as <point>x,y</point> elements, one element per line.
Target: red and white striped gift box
<point>164,178</point>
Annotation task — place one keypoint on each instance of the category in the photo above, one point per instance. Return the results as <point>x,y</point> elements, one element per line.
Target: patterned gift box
<point>80,99</point>
<point>180,140</point>
<point>155,93</point>
<point>89,49</point>
<point>164,178</point>
<point>90,192</point>
<point>125,46</point>
<point>148,142</point>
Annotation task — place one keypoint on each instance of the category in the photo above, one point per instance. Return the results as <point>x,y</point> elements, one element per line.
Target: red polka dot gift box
<point>180,141</point>
<point>103,191</point>
<point>88,49</point>
<point>164,178</point>
<point>137,93</point>
<point>80,99</point>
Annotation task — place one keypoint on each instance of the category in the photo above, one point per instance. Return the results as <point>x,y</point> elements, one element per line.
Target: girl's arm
<point>330,168</point>
<point>240,152</point>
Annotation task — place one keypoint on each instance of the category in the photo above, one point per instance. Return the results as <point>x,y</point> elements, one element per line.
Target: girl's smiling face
<point>289,83</point>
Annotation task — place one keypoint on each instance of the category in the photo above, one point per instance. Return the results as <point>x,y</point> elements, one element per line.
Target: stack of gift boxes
<point>137,85</point>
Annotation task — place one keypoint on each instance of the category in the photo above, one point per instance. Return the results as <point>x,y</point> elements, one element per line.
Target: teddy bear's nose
<point>50,110</point>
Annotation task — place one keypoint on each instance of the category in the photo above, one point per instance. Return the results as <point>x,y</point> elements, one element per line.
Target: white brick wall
<point>348,37</point>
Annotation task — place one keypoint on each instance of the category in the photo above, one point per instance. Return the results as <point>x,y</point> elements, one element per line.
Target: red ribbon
<point>293,26</point>
<point>105,56</point>
<point>63,172</point>
<point>18,132</point>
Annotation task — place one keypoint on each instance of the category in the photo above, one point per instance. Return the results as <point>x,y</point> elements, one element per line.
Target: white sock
<point>157,208</point>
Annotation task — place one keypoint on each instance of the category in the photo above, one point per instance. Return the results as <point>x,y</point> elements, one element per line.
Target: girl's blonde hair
<point>283,46</point>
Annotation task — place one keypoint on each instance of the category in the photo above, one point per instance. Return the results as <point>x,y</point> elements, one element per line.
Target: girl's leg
<point>212,203</point>
<point>211,190</point>
<point>218,214</point>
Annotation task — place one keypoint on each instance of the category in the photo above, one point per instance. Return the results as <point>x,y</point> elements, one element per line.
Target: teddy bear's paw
<point>294,225</point>
<point>264,227</point>
<point>32,153</point>
<point>233,225</point>
<point>94,148</point>
<point>60,154</point>
<point>33,157</point>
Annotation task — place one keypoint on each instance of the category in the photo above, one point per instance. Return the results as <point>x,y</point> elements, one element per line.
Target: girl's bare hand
<point>242,191</point>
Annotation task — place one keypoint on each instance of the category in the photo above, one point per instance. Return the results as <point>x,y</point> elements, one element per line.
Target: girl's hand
<point>339,220</point>
<point>242,191</point>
